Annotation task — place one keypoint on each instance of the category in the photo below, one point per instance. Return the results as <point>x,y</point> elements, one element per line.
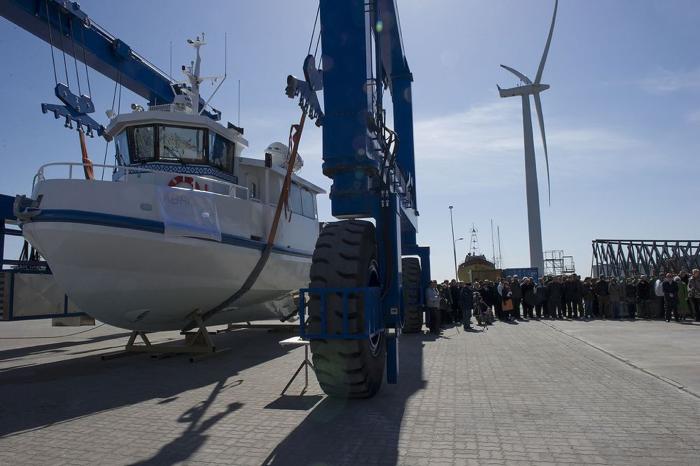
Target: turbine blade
<point>540,70</point>
<point>540,118</point>
<point>522,77</point>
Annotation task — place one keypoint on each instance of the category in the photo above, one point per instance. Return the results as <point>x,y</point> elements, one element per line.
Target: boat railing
<point>124,172</point>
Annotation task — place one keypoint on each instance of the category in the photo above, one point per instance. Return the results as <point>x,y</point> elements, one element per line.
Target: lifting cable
<point>114,99</point>
<point>53,59</point>
<point>63,49</point>
<point>295,136</point>
<point>75,60</point>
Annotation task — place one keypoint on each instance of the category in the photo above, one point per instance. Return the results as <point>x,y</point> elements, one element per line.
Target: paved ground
<point>517,394</point>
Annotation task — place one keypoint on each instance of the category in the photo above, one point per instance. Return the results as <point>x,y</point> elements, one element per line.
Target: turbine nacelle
<point>527,89</point>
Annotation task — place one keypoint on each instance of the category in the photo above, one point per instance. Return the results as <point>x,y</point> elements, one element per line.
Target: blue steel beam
<point>347,158</point>
<point>397,75</point>
<point>67,27</point>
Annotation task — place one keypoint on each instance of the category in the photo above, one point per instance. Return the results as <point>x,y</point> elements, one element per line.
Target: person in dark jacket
<point>466,303</point>
<point>568,295</point>
<point>603,294</point>
<point>516,296</point>
<point>577,297</point>
<point>670,288</point>
<point>631,297</point>
<point>554,296</point>
<point>454,295</point>
<point>588,296</point>
<point>644,298</point>
<point>541,299</point>
<point>529,300</point>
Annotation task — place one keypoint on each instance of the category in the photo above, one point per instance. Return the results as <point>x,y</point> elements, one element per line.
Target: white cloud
<point>666,81</point>
<point>694,117</point>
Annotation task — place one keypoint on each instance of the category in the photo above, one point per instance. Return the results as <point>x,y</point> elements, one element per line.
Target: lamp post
<point>454,245</point>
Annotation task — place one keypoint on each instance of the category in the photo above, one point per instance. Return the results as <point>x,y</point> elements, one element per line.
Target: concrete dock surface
<point>531,393</point>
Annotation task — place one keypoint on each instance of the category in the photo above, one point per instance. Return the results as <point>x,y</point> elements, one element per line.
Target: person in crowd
<point>644,298</point>
<point>540,299</point>
<point>602,293</point>
<point>660,299</point>
<point>516,295</point>
<point>615,297</point>
<point>588,296</point>
<point>685,276</point>
<point>482,312</point>
<point>445,302</point>
<point>507,302</point>
<point>498,300</point>
<point>568,295</point>
<point>432,302</point>
<point>683,306</point>
<point>670,289</point>
<point>694,293</point>
<point>631,297</point>
<point>466,303</point>
<point>454,301</point>
<point>528,289</point>
<point>554,297</point>
<point>578,297</point>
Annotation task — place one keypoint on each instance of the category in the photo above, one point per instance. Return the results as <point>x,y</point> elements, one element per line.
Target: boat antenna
<point>170,72</point>
<point>239,103</point>
<point>216,78</point>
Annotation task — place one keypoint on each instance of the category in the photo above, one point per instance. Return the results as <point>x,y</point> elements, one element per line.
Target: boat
<point>180,225</point>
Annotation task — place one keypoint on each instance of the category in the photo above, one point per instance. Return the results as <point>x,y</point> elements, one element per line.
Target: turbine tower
<point>533,198</point>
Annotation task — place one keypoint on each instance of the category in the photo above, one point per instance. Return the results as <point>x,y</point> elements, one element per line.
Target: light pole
<point>454,243</point>
<point>455,248</point>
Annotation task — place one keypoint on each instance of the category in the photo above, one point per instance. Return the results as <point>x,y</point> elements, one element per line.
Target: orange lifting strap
<point>294,138</point>
<point>87,164</point>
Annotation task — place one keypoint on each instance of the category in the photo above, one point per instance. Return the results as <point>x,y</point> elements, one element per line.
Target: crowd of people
<point>668,296</point>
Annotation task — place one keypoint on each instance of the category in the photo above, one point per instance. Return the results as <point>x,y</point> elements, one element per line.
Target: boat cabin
<point>165,140</point>
<point>167,145</point>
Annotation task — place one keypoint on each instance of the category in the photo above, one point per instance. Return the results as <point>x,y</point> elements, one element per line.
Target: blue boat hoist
<point>368,272</point>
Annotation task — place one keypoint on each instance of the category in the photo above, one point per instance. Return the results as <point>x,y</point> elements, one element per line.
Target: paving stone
<point>526,394</point>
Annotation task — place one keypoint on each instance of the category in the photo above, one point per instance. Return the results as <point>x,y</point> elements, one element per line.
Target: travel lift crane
<point>363,291</point>
<point>69,30</point>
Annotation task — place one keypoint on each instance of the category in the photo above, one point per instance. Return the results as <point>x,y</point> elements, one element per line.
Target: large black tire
<point>412,312</point>
<point>345,257</point>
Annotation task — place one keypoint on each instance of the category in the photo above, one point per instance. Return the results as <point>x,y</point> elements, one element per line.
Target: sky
<point>622,115</point>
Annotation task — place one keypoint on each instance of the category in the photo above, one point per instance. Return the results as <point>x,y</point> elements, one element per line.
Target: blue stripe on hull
<point>152,226</point>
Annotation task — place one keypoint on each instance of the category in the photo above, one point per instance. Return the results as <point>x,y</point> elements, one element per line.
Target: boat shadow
<point>356,432</point>
<point>33,396</point>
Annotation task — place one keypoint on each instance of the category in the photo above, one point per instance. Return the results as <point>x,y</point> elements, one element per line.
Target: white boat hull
<point>150,282</point>
<point>137,269</point>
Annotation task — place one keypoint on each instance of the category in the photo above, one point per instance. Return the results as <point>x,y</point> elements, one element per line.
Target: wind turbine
<point>533,198</point>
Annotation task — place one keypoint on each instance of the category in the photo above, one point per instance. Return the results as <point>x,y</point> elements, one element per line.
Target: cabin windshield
<point>174,144</point>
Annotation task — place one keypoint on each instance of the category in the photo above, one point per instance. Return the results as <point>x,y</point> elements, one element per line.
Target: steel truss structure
<point>556,263</point>
<point>623,258</point>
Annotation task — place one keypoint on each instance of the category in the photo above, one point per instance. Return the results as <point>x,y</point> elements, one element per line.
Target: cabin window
<point>141,144</point>
<point>295,199</point>
<point>307,204</point>
<point>181,144</point>
<point>221,153</point>
<point>121,146</point>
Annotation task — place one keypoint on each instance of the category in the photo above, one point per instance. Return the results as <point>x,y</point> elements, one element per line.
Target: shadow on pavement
<point>357,432</point>
<point>182,448</point>
<point>59,347</point>
<point>32,397</point>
